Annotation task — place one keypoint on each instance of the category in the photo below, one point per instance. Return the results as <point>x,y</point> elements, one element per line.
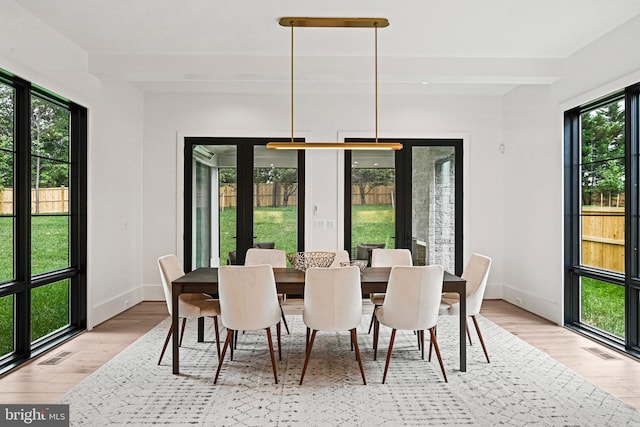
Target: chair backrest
<point>412,299</point>
<point>476,273</point>
<point>248,298</point>
<point>170,270</point>
<point>332,298</point>
<point>277,258</point>
<point>390,257</point>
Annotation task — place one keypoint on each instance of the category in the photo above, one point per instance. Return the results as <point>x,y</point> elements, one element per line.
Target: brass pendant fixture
<point>374,23</point>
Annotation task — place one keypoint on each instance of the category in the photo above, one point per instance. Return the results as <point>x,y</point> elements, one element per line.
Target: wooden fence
<point>50,200</point>
<point>381,195</point>
<point>603,237</point>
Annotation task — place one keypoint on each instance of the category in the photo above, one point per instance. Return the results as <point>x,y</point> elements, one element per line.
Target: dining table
<point>291,281</point>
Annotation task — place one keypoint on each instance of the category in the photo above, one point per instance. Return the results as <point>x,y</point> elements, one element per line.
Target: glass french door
<point>238,195</point>
<point>410,198</point>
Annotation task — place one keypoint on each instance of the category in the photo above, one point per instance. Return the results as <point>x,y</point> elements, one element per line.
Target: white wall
<point>533,174</point>
<point>321,117</point>
<point>33,51</point>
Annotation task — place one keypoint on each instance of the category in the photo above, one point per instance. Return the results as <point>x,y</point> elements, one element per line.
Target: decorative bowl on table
<point>360,263</point>
<point>303,260</point>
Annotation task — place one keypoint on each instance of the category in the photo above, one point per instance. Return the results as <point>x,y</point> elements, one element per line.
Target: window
<point>601,242</point>
<point>42,220</point>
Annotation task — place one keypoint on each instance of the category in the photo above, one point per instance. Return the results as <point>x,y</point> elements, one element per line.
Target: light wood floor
<point>37,382</point>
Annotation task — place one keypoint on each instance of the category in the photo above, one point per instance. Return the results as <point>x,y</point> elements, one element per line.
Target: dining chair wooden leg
<point>435,345</point>
<point>279,333</point>
<point>284,320</point>
<point>421,342</point>
<point>306,342</point>
<point>430,348</point>
<point>376,333</point>
<point>273,357</point>
<point>166,342</point>
<point>373,315</point>
<point>307,355</point>
<point>469,333</point>
<point>184,323</point>
<point>354,339</point>
<point>227,341</point>
<point>234,343</point>
<point>215,327</point>
<point>475,322</point>
<point>386,365</point>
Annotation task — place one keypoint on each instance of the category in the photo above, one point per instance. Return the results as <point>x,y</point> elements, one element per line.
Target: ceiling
<point>236,46</point>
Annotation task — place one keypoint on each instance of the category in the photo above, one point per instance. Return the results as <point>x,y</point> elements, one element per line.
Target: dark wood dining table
<point>291,281</point>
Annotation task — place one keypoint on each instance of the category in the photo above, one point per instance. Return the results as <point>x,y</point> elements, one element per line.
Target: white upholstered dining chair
<point>277,258</point>
<point>190,306</point>
<point>476,273</point>
<point>248,301</point>
<point>387,258</point>
<point>332,302</point>
<point>412,302</point>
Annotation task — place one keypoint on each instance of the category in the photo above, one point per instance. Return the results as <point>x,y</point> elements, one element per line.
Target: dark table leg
<point>200,329</point>
<point>463,330</point>
<point>174,335</point>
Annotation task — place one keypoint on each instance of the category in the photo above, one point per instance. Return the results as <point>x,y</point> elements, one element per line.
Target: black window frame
<point>245,147</point>
<point>403,164</point>
<point>573,269</point>
<point>23,282</point>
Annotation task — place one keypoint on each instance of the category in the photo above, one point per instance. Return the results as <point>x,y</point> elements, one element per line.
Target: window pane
<point>49,308</point>
<point>6,249</point>
<point>275,198</point>
<point>6,325</point>
<point>433,206</point>
<point>7,98</point>
<point>49,130</point>
<point>49,243</point>
<point>373,219</point>
<point>50,186</point>
<point>603,185</point>
<point>602,306</point>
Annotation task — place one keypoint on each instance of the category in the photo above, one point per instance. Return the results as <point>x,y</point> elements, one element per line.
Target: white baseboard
<point>114,306</point>
<point>153,292</point>
<point>549,310</point>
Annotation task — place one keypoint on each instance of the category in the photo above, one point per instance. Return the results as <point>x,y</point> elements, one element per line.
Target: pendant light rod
<point>374,23</point>
<point>292,139</point>
<point>376,79</point>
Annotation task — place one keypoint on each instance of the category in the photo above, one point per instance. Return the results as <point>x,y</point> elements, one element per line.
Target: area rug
<point>521,386</point>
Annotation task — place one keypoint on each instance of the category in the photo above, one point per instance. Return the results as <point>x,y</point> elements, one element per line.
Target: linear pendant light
<point>343,23</point>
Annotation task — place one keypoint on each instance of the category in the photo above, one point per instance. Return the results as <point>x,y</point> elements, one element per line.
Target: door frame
<point>403,189</point>
<point>245,151</point>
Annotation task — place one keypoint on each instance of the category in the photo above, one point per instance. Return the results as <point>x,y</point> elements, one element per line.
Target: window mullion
<point>22,207</point>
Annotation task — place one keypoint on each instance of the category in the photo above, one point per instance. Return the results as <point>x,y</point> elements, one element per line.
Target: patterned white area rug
<point>521,385</point>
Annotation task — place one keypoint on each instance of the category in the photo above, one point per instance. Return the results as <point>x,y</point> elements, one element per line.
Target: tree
<point>369,178</point>
<point>603,145</point>
<point>260,176</point>
<point>288,179</point>
<point>6,136</point>
<point>49,146</point>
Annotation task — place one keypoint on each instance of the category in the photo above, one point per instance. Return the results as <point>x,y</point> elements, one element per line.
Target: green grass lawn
<point>49,303</point>
<point>603,306</point>
<point>279,225</point>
